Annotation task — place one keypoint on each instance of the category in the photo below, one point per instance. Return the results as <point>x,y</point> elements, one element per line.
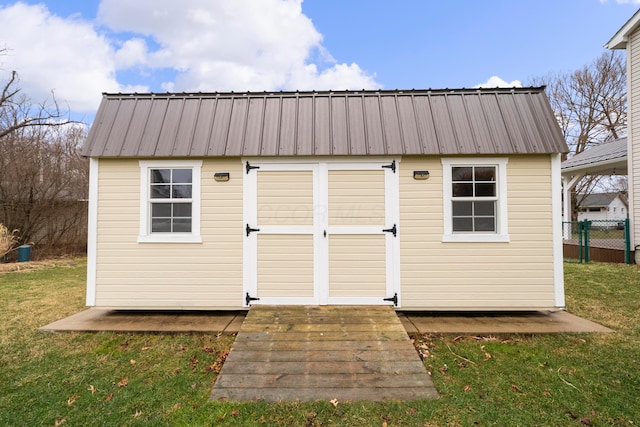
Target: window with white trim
<point>170,201</point>
<point>475,200</point>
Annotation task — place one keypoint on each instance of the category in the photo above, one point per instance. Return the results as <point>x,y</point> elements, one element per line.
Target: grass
<point>108,379</point>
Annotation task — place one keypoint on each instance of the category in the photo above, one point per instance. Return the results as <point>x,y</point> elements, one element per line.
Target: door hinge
<point>249,167</point>
<point>249,298</point>
<point>248,229</point>
<point>393,230</point>
<point>392,166</point>
<point>393,299</point>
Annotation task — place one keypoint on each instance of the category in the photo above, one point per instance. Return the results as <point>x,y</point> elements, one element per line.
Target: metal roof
<point>460,121</point>
<point>603,159</point>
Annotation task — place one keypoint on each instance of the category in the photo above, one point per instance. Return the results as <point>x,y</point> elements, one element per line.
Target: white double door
<point>321,233</point>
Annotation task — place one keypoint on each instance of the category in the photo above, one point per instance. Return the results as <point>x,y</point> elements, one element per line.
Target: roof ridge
<point>372,92</point>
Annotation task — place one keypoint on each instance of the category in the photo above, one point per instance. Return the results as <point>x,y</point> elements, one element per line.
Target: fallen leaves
<point>71,400</point>
<point>123,382</point>
<point>92,389</point>
<point>334,402</point>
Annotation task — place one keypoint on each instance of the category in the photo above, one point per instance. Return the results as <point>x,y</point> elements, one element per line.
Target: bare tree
<point>43,178</point>
<point>590,103</point>
<point>591,107</point>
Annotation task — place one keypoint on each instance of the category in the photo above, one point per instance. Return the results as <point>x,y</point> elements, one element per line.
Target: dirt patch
<point>23,267</point>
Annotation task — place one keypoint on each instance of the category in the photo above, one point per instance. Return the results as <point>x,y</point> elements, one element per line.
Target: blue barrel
<point>24,253</point>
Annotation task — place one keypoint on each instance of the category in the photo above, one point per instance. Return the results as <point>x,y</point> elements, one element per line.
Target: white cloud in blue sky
<point>185,46</point>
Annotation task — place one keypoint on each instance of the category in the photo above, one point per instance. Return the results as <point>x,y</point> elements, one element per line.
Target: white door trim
<point>320,168</point>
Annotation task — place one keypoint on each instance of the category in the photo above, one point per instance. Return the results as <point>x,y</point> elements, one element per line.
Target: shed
<point>423,199</point>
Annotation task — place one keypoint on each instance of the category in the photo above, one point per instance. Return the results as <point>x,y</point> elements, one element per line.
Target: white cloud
<point>495,81</point>
<point>158,45</point>
<point>52,53</point>
<point>232,44</point>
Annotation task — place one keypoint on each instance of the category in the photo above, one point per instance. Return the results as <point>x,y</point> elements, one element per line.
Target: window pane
<point>160,176</point>
<point>462,208</point>
<point>160,225</point>
<point>462,224</point>
<point>182,176</point>
<point>461,174</point>
<point>182,225</point>
<point>486,190</point>
<point>485,224</point>
<point>161,210</point>
<point>182,210</point>
<point>485,173</point>
<point>181,191</point>
<point>160,191</point>
<point>484,208</point>
<point>462,190</point>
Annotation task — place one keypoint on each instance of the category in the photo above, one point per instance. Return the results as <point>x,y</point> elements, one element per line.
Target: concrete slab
<point>537,322</point>
<point>101,320</point>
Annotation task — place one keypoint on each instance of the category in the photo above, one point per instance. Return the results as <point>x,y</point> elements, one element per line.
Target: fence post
<point>627,242</point>
<point>587,226</point>
<point>580,238</point>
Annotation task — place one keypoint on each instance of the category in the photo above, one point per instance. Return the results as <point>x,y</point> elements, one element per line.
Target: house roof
<point>620,38</point>
<point>600,199</point>
<point>461,121</point>
<point>604,159</point>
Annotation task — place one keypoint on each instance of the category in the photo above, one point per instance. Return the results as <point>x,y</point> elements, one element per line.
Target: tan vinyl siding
<point>285,265</point>
<point>203,275</point>
<point>633,99</point>
<point>356,198</point>
<point>285,198</point>
<point>452,275</point>
<point>357,266</point>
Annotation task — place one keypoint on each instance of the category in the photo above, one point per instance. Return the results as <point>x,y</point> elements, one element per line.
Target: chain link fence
<point>597,240</point>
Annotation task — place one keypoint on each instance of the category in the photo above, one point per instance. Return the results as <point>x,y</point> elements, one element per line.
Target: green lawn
<point>106,379</point>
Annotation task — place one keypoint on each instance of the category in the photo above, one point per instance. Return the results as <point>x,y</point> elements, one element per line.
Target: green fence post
<point>580,239</point>
<point>627,242</point>
<point>587,226</point>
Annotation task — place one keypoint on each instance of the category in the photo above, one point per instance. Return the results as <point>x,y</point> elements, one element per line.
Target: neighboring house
<point>426,199</point>
<point>603,207</point>
<point>628,38</point>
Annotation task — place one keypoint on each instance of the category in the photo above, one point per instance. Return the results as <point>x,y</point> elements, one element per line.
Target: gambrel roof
<point>432,122</point>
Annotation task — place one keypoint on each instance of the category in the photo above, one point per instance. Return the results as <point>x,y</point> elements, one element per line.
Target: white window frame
<point>502,219</point>
<point>146,236</point>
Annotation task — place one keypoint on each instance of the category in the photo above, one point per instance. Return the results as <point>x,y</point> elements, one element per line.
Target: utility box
<point>24,253</point>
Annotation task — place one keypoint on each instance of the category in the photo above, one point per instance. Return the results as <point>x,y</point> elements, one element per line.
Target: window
<point>170,201</point>
<point>475,205</point>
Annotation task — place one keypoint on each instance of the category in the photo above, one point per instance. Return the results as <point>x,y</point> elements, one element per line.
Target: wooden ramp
<point>322,353</point>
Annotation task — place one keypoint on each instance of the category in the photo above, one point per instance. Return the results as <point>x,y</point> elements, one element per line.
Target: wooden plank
<point>257,355</point>
<point>313,394</point>
<point>320,336</point>
<point>323,345</point>
<point>314,327</point>
<point>329,367</point>
<point>308,380</point>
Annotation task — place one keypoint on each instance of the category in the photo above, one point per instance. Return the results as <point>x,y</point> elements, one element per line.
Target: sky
<point>79,49</point>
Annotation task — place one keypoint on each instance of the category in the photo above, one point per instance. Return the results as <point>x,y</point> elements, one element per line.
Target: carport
<point>605,159</point>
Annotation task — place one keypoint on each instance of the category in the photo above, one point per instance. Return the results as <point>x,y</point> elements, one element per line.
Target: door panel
<point>357,266</point>
<point>285,265</point>
<point>356,198</point>
<point>285,198</point>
